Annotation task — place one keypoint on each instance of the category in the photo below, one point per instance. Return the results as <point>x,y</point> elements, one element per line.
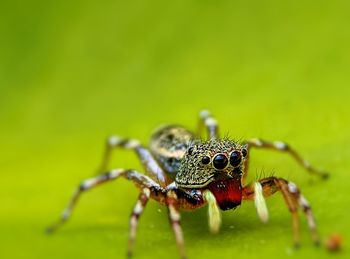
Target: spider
<point>185,172</point>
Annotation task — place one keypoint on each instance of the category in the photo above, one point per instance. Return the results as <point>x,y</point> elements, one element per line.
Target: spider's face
<point>216,165</point>
<point>206,162</point>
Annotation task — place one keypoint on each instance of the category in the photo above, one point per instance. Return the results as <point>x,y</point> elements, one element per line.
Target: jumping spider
<point>185,172</point>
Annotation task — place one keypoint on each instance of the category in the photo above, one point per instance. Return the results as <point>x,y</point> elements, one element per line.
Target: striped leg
<point>293,198</point>
<point>207,120</point>
<point>134,176</point>
<point>135,215</point>
<point>174,217</point>
<point>283,147</point>
<point>147,160</point>
<point>305,206</point>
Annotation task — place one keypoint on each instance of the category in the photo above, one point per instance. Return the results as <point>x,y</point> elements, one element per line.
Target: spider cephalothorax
<point>184,172</point>
<point>216,165</point>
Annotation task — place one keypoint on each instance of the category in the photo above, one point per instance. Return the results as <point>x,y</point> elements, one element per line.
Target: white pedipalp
<point>214,213</point>
<point>260,203</point>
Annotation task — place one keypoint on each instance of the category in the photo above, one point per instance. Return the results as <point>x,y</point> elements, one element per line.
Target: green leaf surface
<point>74,72</point>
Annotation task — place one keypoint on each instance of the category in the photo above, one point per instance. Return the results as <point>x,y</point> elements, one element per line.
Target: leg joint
<point>281,146</point>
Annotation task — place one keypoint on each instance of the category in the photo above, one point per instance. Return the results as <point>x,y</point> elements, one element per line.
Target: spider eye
<point>205,160</point>
<point>244,152</point>
<point>235,158</point>
<point>220,161</point>
<point>190,150</point>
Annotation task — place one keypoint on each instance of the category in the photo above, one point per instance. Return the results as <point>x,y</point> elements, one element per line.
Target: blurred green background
<point>73,72</point>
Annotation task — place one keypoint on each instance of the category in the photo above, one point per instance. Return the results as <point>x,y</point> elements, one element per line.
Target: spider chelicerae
<point>184,172</point>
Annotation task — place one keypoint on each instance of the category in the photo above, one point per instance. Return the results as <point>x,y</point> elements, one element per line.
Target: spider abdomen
<point>168,146</point>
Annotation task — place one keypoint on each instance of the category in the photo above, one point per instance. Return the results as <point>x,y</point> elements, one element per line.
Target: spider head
<point>216,165</point>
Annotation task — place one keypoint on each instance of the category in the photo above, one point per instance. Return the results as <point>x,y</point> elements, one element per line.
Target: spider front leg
<point>293,198</point>
<point>139,179</point>
<point>206,119</point>
<point>174,218</point>
<point>283,147</point>
<point>147,160</point>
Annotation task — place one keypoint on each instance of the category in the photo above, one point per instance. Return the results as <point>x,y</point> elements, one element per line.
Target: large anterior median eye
<point>220,161</point>
<point>235,158</point>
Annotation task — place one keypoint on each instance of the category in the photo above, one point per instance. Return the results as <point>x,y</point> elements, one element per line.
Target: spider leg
<point>146,158</point>
<point>206,119</point>
<point>293,198</point>
<point>174,217</point>
<point>134,218</point>
<point>139,179</point>
<point>283,147</point>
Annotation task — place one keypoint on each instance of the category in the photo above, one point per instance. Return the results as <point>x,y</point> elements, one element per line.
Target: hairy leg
<point>174,217</point>
<point>207,120</point>
<point>293,198</point>
<point>146,158</point>
<point>139,179</point>
<point>283,147</point>
<point>134,218</point>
